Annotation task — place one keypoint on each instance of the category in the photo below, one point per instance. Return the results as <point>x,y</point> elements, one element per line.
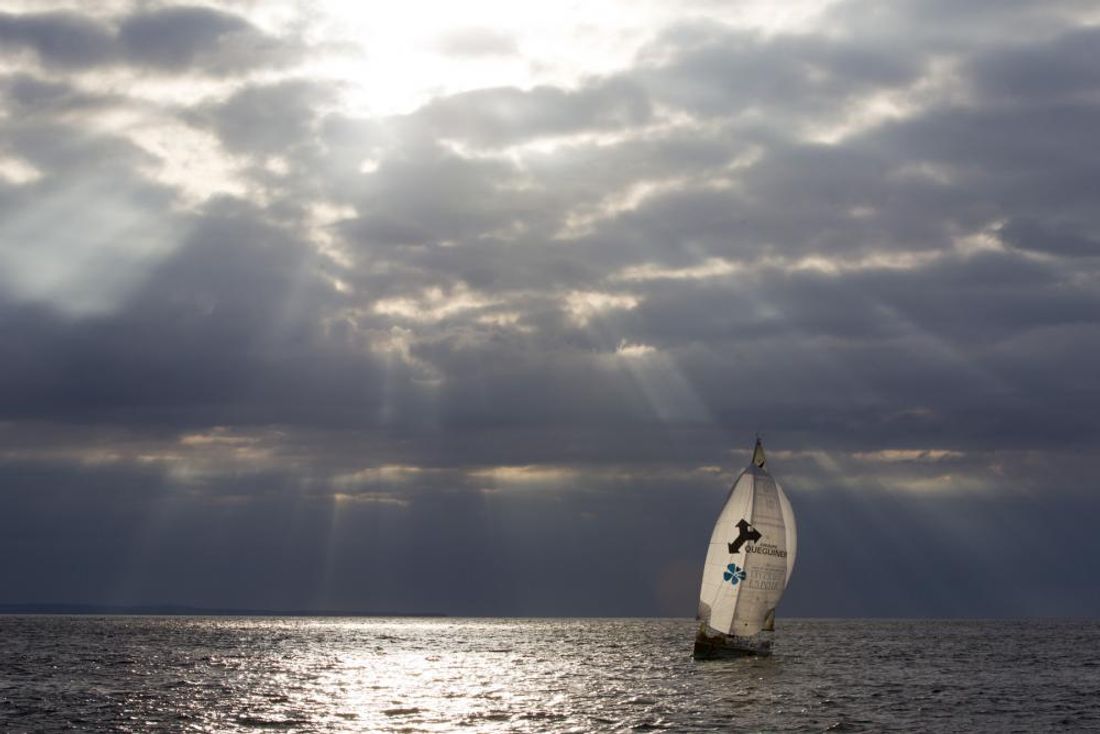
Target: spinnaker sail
<point>749,562</point>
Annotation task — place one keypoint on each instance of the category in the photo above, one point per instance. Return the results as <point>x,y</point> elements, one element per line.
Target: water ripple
<point>199,674</point>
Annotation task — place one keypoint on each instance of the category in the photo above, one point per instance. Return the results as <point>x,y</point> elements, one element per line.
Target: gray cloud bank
<point>491,356</point>
<point>172,39</point>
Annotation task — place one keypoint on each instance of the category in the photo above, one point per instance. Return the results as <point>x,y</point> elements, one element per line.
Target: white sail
<point>751,555</point>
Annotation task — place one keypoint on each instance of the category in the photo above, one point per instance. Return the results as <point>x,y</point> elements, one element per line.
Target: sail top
<point>758,458</point>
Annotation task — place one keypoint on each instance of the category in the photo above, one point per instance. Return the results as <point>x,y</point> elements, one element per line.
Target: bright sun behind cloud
<point>396,56</point>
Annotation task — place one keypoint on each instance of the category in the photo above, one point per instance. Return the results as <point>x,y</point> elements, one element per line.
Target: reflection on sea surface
<point>411,675</point>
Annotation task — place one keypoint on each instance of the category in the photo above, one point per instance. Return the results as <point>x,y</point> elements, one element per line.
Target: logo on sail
<point>745,532</point>
<point>734,574</point>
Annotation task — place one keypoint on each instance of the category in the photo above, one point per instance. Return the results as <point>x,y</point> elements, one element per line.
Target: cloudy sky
<point>476,307</point>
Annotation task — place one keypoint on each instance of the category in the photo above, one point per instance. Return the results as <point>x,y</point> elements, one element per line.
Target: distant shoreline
<point>171,610</point>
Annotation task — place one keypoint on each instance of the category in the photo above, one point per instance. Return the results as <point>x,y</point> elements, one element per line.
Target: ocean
<point>311,674</point>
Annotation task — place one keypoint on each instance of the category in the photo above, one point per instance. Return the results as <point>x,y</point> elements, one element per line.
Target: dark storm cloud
<point>713,70</point>
<point>29,96</point>
<point>431,195</point>
<point>1028,235</point>
<point>178,38</point>
<point>515,553</point>
<point>1026,73</point>
<point>797,201</point>
<point>222,330</point>
<point>169,39</point>
<point>267,118</point>
<point>534,355</point>
<point>943,26</point>
<point>61,39</point>
<point>500,116</point>
<point>59,148</point>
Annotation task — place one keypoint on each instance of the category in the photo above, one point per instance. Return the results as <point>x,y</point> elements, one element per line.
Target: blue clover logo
<point>734,574</point>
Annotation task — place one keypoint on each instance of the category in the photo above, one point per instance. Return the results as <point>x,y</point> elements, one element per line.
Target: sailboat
<point>748,564</point>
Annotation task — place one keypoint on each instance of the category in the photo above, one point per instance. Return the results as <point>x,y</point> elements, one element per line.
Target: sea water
<point>230,674</point>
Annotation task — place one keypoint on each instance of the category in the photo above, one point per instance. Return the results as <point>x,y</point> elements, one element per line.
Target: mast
<point>758,458</point>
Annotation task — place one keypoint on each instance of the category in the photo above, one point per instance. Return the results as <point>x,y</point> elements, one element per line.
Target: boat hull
<point>721,648</point>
